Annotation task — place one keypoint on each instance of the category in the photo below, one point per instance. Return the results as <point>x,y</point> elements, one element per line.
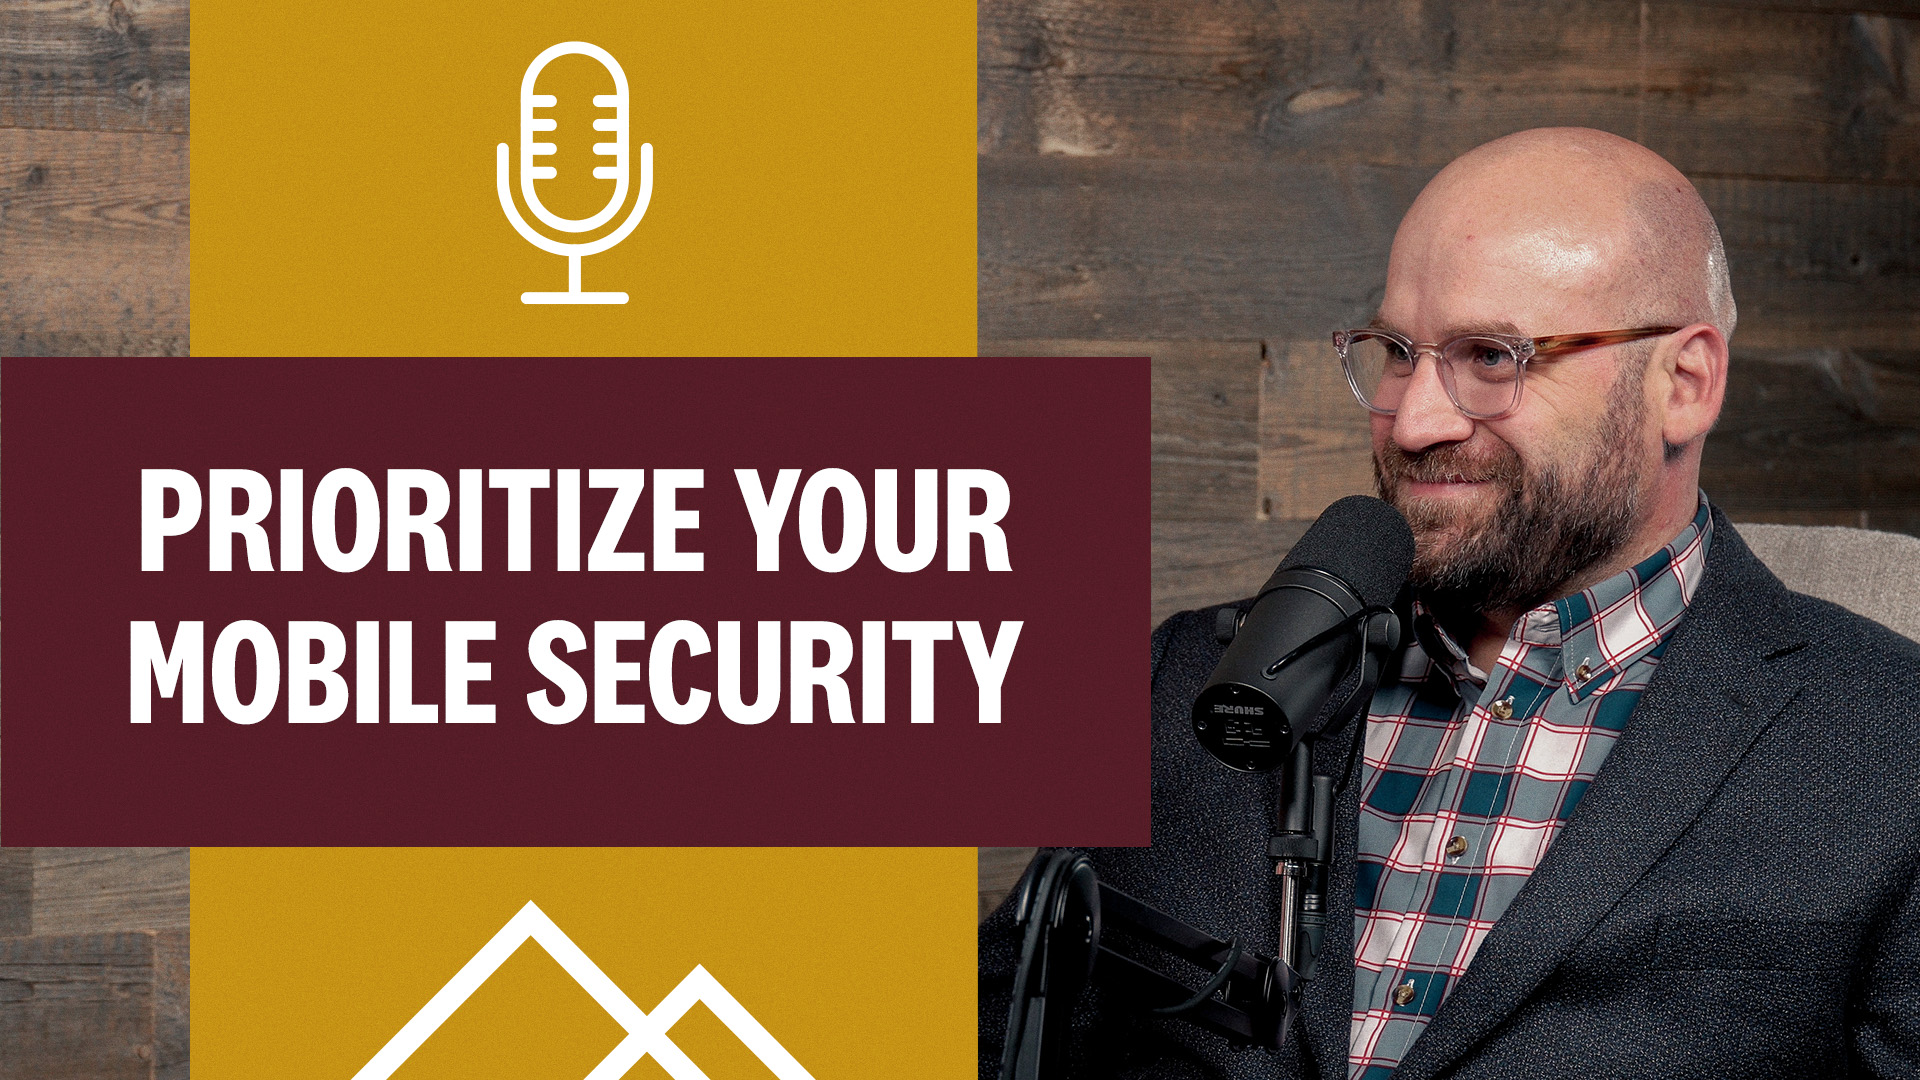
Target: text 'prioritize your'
<point>668,665</point>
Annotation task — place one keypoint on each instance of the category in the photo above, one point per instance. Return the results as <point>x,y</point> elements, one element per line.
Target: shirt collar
<point>1602,629</point>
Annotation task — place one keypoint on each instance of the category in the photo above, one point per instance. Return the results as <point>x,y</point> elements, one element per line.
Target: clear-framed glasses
<point>1481,372</point>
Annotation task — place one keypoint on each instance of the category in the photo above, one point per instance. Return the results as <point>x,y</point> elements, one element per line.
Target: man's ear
<point>1696,383</point>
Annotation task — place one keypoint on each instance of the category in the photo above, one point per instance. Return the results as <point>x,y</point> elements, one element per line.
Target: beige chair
<point>1876,574</point>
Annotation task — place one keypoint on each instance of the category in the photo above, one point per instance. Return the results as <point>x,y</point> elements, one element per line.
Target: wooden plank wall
<point>1215,184</point>
<point>94,964</point>
<point>88,890</point>
<point>94,126</point>
<point>93,177</point>
<point>94,1006</point>
<point>16,892</point>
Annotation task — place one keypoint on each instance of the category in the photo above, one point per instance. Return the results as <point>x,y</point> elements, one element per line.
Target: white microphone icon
<point>617,172</point>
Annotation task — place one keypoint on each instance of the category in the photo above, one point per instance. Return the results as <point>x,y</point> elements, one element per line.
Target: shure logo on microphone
<point>1240,710</point>
<point>619,150</point>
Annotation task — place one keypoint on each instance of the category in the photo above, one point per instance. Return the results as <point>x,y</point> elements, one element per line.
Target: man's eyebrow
<point>1497,326</point>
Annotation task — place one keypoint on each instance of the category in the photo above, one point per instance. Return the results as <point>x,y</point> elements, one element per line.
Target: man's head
<point>1546,232</point>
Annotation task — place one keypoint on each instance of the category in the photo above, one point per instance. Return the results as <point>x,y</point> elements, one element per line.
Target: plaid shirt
<point>1468,777</point>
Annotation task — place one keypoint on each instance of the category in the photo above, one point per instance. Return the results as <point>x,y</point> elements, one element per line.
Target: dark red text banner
<point>596,602</point>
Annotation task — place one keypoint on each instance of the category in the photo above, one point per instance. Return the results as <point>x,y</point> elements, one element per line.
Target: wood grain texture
<point>94,65</point>
<point>94,116</point>
<point>1197,564</point>
<point>172,1005</point>
<point>1749,90</point>
<point>1221,80</point>
<point>1137,249</point>
<point>93,233</point>
<point>1205,418</point>
<point>1821,265</point>
<point>1823,436</point>
<point>95,1006</point>
<point>1315,439</point>
<point>1899,9</point>
<point>90,890</point>
<point>16,892</point>
<point>1000,870</point>
<point>1745,89</point>
<point>1126,249</point>
<point>98,343</point>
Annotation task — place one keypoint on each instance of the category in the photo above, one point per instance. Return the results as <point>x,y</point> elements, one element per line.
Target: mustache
<point>1449,463</point>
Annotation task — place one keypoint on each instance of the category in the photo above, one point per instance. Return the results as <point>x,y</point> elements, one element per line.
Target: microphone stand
<point>1065,911</point>
<point>1302,844</point>
<point>1067,914</point>
<point>1300,849</point>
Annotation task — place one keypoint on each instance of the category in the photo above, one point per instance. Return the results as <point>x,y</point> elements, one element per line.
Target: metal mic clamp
<point>1300,849</point>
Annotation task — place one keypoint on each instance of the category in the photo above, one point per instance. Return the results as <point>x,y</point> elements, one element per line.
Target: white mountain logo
<point>646,1032</point>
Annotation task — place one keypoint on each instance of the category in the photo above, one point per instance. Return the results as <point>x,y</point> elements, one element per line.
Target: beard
<point>1552,523</point>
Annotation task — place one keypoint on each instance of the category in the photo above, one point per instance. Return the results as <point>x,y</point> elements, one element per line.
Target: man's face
<point>1549,518</point>
<point>1506,513</point>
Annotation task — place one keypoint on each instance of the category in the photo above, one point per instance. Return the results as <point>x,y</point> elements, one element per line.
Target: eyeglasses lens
<point>1380,369</point>
<point>1482,375</point>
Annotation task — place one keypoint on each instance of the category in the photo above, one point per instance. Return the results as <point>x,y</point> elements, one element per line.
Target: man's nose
<point>1427,416</point>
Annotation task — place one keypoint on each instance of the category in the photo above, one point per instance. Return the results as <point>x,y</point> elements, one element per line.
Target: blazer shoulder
<point>1853,684</point>
<point>1742,605</point>
<point>1854,656</point>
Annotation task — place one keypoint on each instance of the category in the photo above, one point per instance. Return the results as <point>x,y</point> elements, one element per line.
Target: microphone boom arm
<point>1067,914</point>
<point>1064,910</point>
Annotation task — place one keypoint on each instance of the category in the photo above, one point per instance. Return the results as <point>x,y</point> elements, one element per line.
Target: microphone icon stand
<point>617,172</point>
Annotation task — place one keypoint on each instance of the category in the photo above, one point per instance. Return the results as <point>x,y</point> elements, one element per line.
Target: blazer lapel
<point>1711,697</point>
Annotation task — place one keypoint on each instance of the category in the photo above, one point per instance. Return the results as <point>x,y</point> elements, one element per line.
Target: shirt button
<point>1502,709</point>
<point>1403,993</point>
<point>1456,846</point>
<point>1583,672</point>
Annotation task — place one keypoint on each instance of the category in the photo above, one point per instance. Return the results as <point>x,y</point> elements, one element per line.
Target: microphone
<point>1306,656</point>
<point>1294,649</point>
<point>618,172</point>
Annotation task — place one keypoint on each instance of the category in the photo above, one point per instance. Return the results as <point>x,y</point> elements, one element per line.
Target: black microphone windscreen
<point>1363,542</point>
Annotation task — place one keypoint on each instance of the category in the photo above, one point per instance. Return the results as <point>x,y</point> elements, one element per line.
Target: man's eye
<point>1490,355</point>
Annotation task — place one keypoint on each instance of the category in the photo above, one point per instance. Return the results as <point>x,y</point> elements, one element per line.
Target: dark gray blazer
<point>1732,898</point>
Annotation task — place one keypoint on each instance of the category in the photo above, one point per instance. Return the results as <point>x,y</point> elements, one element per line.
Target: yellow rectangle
<point>813,179</point>
<point>850,962</point>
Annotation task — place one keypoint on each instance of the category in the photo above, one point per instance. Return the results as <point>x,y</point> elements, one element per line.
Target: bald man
<point>1631,808</point>
<point>1566,232</point>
